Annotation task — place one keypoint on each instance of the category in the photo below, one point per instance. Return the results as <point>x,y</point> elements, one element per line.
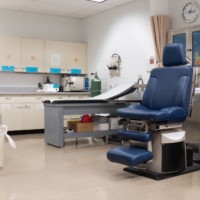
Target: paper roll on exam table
<point>55,110</point>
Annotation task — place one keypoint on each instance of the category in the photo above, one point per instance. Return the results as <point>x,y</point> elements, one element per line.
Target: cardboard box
<point>84,127</point>
<point>77,126</point>
<point>72,124</point>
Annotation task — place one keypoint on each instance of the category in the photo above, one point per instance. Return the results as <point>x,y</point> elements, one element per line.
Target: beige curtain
<point>160,28</point>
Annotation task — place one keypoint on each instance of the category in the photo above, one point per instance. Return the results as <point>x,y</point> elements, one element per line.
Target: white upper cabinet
<point>32,55</point>
<point>56,57</point>
<point>9,53</point>
<point>35,55</point>
<point>76,56</point>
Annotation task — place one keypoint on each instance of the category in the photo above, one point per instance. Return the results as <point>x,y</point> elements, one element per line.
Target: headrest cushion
<point>174,55</point>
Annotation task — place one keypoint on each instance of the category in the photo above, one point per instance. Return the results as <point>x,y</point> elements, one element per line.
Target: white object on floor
<point>3,135</point>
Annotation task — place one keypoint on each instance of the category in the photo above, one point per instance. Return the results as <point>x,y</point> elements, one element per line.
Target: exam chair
<point>156,123</point>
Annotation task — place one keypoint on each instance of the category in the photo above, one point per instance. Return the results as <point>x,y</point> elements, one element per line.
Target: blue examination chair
<point>156,123</point>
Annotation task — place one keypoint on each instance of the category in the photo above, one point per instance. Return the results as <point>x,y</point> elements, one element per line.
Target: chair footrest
<point>135,135</point>
<point>129,156</point>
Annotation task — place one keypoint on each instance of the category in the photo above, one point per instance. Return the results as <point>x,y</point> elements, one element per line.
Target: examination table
<point>55,110</point>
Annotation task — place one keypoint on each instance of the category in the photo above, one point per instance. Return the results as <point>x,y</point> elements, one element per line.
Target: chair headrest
<point>174,55</point>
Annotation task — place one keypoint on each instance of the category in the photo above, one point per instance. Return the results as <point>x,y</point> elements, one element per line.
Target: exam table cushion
<point>174,55</point>
<point>166,98</point>
<point>128,155</point>
<point>134,135</point>
<point>140,112</point>
<point>169,87</point>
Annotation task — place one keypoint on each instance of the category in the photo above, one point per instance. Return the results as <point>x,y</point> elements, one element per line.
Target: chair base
<point>158,176</point>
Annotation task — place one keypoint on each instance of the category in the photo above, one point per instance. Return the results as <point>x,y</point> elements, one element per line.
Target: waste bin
<point>3,135</point>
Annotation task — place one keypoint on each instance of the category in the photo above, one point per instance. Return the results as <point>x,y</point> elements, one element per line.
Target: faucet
<point>140,80</point>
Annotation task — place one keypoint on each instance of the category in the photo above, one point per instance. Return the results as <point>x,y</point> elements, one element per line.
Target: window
<point>190,39</point>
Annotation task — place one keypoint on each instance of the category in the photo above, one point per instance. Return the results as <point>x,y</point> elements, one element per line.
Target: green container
<point>95,86</point>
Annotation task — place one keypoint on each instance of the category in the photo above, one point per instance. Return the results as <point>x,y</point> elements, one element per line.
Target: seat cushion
<point>140,112</point>
<point>128,155</point>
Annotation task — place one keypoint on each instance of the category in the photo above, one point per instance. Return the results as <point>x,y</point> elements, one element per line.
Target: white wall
<point>175,12</point>
<point>23,24</point>
<point>159,7</point>
<point>124,30</point>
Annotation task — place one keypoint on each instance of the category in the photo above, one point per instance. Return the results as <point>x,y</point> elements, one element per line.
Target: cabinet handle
<point>27,107</point>
<point>8,98</point>
<point>60,97</point>
<point>20,107</point>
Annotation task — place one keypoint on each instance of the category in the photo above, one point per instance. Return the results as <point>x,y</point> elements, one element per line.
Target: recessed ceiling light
<point>97,1</point>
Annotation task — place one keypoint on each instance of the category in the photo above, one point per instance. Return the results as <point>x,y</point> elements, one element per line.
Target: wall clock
<point>190,12</point>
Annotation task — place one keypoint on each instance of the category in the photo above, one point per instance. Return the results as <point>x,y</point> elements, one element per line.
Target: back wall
<point>124,30</point>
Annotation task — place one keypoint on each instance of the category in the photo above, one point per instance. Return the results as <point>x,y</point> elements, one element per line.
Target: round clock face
<point>190,12</point>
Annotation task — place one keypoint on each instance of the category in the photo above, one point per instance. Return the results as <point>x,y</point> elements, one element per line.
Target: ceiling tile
<point>69,8</point>
<point>38,6</point>
<point>14,4</point>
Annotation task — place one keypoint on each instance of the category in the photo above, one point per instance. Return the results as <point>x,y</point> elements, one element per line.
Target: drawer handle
<point>8,98</point>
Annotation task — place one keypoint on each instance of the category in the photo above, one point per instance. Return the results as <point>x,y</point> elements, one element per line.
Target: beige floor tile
<point>37,171</point>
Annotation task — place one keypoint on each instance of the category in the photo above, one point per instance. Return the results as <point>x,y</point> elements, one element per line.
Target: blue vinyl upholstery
<point>135,135</point>
<point>174,55</point>
<point>129,156</point>
<point>166,99</point>
<point>167,94</point>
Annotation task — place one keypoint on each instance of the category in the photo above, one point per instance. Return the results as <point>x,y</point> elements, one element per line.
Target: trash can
<point>3,135</point>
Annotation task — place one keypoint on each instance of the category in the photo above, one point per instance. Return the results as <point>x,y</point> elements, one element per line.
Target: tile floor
<point>37,171</point>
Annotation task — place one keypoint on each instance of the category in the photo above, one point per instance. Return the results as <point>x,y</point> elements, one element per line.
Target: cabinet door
<point>76,56</point>
<point>32,55</point>
<point>56,57</point>
<point>9,53</point>
<point>33,116</point>
<point>12,116</point>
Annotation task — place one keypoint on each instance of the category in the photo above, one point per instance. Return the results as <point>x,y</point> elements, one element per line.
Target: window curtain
<point>160,28</point>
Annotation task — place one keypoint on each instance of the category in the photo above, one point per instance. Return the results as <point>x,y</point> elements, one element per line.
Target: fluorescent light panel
<point>97,1</point>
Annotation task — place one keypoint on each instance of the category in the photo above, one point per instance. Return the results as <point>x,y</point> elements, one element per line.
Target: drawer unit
<point>26,112</point>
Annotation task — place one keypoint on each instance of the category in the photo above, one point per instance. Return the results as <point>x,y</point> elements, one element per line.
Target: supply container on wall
<point>95,85</point>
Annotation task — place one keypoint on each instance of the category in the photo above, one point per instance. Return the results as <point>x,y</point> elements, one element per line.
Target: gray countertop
<point>35,91</point>
<point>44,93</point>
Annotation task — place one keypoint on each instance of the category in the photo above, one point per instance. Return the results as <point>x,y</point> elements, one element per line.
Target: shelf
<point>90,134</point>
<point>39,73</point>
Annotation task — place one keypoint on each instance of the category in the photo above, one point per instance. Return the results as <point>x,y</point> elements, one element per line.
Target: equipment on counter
<point>73,83</point>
